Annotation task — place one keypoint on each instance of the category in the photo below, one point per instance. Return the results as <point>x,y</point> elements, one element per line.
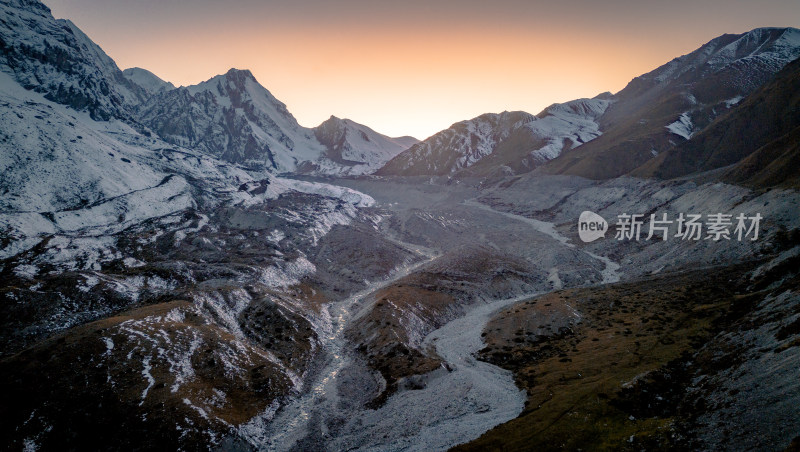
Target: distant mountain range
<point>666,109</point>
<point>230,116</point>
<point>662,121</point>
<point>508,142</point>
<point>659,125</point>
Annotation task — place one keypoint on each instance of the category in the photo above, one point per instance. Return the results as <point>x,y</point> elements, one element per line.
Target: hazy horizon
<point>413,68</point>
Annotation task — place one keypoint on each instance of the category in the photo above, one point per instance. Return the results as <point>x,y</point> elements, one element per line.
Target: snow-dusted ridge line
<point>37,48</point>
<point>559,128</point>
<point>147,80</point>
<point>234,118</point>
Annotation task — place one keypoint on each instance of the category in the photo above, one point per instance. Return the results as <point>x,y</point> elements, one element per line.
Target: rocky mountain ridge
<point>611,134</point>
<point>230,116</point>
<point>663,109</point>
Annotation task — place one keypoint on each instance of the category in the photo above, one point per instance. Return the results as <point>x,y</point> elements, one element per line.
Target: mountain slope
<point>55,58</point>
<point>458,147</point>
<point>510,141</point>
<point>234,118</point>
<point>558,129</point>
<point>147,80</point>
<point>56,159</point>
<point>774,164</point>
<point>355,148</point>
<point>670,105</point>
<point>772,112</point>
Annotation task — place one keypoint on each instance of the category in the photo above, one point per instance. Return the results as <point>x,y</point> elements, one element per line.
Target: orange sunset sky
<point>413,67</point>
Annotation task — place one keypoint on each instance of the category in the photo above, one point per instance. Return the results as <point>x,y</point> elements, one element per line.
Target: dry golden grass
<point>629,335</point>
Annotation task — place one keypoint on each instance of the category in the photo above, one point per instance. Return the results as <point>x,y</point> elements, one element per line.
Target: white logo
<point>591,226</point>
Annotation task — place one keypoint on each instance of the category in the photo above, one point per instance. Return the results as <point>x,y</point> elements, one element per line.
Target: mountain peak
<point>147,80</point>
<point>236,73</point>
<point>232,117</point>
<point>333,120</point>
<point>356,147</point>
<point>236,83</point>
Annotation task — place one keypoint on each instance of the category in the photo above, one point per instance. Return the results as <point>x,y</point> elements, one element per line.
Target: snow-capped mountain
<point>56,159</point>
<point>169,291</point>
<point>99,216</point>
<point>460,146</point>
<point>664,108</point>
<point>765,155</point>
<point>610,135</point>
<point>55,58</point>
<point>353,148</point>
<point>230,116</point>
<point>743,61</point>
<point>147,80</point>
<point>234,118</point>
<point>514,141</point>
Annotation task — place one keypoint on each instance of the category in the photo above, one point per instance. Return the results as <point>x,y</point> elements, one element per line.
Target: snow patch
<point>682,127</point>
<point>571,122</point>
<point>26,271</point>
<point>733,101</point>
<point>146,368</point>
<point>286,274</point>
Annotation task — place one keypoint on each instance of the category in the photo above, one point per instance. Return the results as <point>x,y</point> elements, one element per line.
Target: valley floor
<point>445,314</point>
